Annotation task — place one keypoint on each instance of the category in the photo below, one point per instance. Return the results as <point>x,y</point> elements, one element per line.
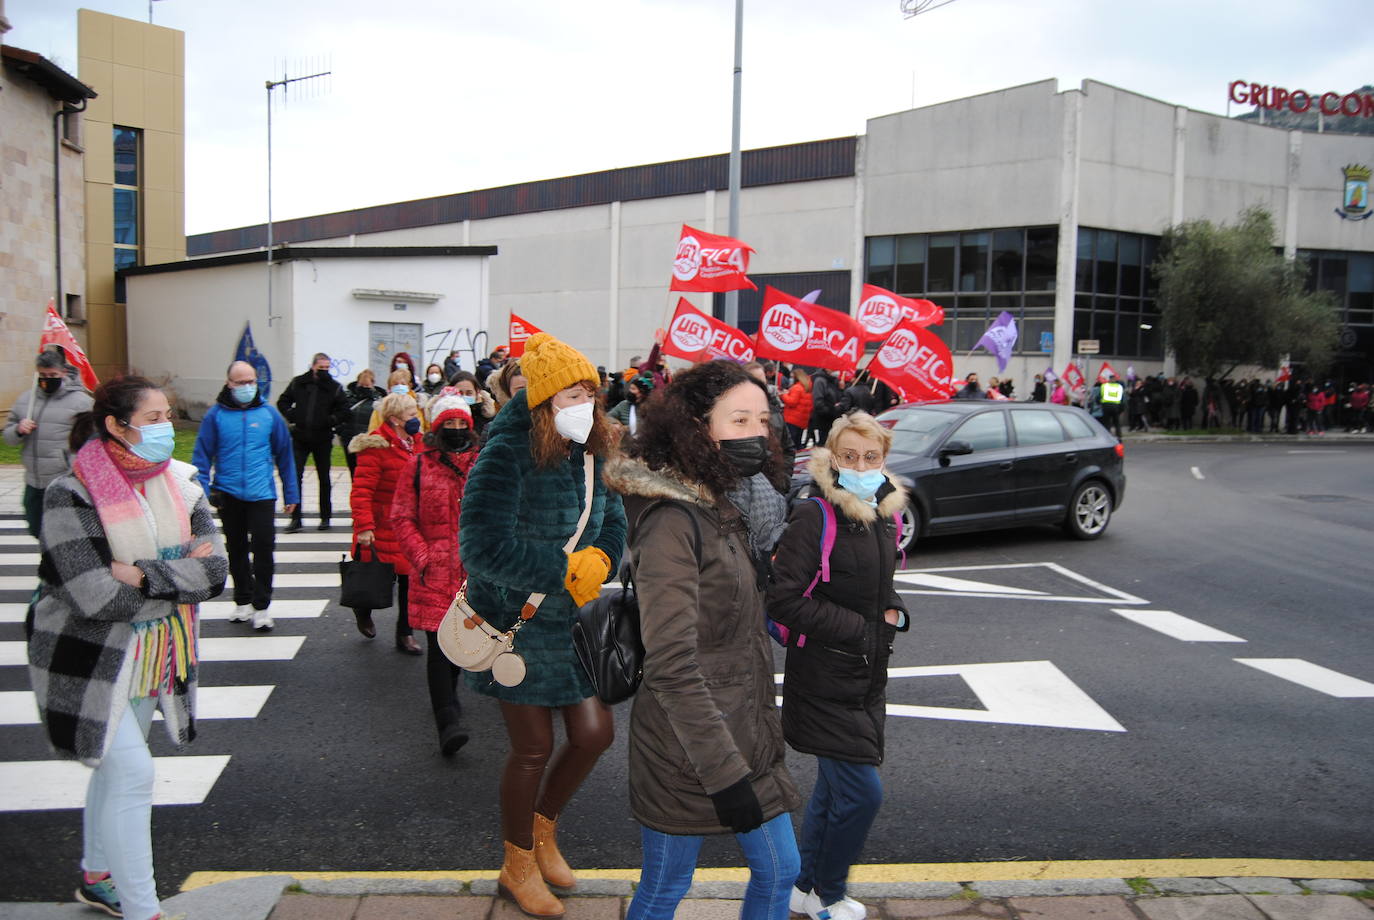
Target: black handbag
<point>605,633</point>
<point>366,583</point>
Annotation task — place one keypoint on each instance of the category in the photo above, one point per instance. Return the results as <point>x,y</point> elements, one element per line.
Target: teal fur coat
<point>514,523</point>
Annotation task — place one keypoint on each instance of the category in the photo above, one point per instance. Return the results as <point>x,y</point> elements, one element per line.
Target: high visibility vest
<point>1112,392</point>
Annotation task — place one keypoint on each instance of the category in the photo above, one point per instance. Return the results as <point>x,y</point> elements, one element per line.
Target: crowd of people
<point>523,487</point>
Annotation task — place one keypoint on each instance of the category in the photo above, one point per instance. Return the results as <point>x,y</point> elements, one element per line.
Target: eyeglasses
<point>853,456</point>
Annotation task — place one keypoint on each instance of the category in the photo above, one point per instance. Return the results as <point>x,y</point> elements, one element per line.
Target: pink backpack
<point>782,634</point>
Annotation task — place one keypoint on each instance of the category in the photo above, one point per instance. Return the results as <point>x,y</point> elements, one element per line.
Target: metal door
<point>385,339</point>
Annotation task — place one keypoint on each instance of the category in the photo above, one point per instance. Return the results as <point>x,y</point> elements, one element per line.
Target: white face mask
<point>435,378</point>
<point>575,422</point>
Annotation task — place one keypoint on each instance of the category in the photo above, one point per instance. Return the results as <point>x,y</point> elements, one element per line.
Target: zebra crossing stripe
<point>29,561</point>
<point>1176,626</point>
<point>18,707</point>
<point>13,613</point>
<point>220,610</point>
<point>1312,676</point>
<point>45,785</point>
<point>247,648</point>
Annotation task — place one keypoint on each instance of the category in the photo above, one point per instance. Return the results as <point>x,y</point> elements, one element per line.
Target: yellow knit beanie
<point>550,365</point>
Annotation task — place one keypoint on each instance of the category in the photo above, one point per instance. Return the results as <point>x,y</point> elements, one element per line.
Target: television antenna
<point>911,8</point>
<point>284,85</point>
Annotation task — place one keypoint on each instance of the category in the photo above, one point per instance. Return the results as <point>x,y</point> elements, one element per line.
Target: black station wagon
<point>983,465</point>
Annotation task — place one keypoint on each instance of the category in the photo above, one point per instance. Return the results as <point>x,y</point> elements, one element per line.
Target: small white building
<point>359,305</point>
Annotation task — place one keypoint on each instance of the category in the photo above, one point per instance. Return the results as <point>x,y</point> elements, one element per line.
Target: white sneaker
<point>242,613</point>
<point>846,909</point>
<point>262,619</point>
<point>797,903</point>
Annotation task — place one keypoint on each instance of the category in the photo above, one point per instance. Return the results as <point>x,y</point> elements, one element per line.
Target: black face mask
<point>321,375</point>
<point>455,439</point>
<point>50,385</point>
<point>746,455</point>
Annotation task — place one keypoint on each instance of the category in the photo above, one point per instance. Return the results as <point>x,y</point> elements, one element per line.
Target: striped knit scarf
<point>154,525</point>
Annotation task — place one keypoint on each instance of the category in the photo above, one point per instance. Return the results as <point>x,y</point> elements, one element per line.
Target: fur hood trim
<point>631,477</point>
<point>366,440</point>
<point>854,508</point>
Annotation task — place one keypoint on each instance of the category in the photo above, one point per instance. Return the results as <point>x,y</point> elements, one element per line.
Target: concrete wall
<point>139,71</point>
<point>1126,161</point>
<point>27,252</point>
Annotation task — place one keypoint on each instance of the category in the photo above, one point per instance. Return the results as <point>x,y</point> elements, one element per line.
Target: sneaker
<point>844,909</point>
<point>262,619</point>
<point>100,895</point>
<point>242,613</point>
<point>797,902</point>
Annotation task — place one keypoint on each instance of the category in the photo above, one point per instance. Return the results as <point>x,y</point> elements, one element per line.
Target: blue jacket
<point>242,443</point>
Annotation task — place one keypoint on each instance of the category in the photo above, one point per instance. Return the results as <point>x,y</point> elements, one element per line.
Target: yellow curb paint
<point>1020,870</point>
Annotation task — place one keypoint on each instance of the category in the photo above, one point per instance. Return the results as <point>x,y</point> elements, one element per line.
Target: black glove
<point>215,498</point>
<point>737,807</point>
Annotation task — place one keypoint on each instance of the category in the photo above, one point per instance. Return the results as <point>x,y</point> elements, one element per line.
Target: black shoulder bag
<point>606,632</point>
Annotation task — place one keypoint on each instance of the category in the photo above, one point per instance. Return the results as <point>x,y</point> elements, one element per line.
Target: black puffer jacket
<point>835,691</point>
<point>313,406</point>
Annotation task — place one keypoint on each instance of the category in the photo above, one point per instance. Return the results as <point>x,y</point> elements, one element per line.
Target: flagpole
<point>732,297</point>
<point>33,395</point>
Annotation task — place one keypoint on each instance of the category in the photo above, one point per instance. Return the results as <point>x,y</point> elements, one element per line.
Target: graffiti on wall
<point>464,341</point>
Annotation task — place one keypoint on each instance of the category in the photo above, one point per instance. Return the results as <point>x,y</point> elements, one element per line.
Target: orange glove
<point>587,569</point>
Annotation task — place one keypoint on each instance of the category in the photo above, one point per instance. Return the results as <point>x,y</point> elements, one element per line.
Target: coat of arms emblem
<point>1355,195</point>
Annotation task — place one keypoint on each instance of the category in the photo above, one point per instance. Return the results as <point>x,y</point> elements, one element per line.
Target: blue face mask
<point>400,389</point>
<point>470,400</point>
<point>158,441</point>
<point>863,484</point>
<point>244,395</point>
<point>412,426</point>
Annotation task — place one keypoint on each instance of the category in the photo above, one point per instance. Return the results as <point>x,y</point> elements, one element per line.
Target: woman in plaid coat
<point>129,549</point>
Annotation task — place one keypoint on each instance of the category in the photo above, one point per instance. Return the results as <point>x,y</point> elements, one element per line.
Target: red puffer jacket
<point>428,532</point>
<point>382,456</point>
<point>796,405</point>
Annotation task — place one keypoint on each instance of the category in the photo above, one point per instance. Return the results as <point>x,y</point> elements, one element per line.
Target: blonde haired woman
<point>398,384</point>
<point>834,689</point>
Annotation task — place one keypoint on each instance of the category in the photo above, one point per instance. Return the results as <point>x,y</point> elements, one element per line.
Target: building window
<point>128,235</point>
<point>974,275</point>
<point>1349,276</point>
<point>1114,297</point>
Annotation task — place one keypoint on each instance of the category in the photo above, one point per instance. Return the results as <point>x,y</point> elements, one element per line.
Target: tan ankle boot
<point>552,865</point>
<point>520,881</point>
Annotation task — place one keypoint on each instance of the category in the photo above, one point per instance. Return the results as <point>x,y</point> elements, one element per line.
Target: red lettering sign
<point>1277,98</point>
<point>808,334</point>
<point>694,336</point>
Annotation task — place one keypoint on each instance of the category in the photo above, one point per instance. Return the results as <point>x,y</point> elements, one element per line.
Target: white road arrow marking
<point>1179,627</point>
<point>1102,594</point>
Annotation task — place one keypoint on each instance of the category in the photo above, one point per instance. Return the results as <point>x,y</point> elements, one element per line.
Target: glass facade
<point>127,174</point>
<point>974,276</point>
<point>1347,275</point>
<point>1114,294</point>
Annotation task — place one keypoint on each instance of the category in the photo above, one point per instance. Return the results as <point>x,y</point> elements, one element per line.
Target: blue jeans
<point>841,811</point>
<point>669,860</point>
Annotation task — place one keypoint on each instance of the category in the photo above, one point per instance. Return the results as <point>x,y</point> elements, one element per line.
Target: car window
<point>1036,426</point>
<point>983,432</point>
<point>1078,426</point>
<point>913,430</point>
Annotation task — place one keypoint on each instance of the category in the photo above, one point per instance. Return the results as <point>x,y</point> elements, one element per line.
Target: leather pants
<point>537,777</point>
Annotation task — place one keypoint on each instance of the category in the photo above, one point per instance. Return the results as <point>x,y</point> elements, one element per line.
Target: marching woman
<point>834,690</point>
<point>427,533</point>
<point>706,747</point>
<point>796,406</point>
<point>129,549</point>
<point>523,502</point>
<point>382,455</point>
<point>478,400</point>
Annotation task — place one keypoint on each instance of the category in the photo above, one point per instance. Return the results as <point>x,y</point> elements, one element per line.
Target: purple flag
<point>1000,339</point>
<point>1050,375</point>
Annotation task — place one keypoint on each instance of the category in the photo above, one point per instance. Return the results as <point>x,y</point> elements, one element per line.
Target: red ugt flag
<point>914,362</point>
<point>804,333</point>
<point>706,262</point>
<point>1074,381</point>
<point>1107,373</point>
<point>520,330</point>
<point>55,332</point>
<point>694,336</point>
<point>881,310</point>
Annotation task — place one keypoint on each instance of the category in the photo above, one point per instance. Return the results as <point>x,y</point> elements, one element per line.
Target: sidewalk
<point>716,893</point>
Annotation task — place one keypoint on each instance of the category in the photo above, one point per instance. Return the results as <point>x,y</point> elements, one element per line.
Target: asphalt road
<point>1082,732</point>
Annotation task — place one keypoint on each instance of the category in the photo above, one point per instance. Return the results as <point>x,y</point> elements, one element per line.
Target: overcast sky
<point>430,97</point>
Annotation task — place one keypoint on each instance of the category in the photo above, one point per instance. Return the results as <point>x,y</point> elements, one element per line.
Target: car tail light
<point>1120,449</point>
<point>887,422</point>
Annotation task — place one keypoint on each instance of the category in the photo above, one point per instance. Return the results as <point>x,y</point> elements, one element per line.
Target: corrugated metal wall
<point>827,159</point>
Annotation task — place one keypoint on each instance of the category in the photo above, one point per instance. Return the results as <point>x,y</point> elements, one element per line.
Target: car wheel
<point>1090,511</point>
<point>911,529</point>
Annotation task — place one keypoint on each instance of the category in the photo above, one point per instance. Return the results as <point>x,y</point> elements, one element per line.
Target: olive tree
<point>1227,297</point>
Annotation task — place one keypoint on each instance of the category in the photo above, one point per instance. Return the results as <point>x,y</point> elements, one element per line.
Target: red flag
<point>880,311</point>
<point>1074,381</point>
<point>807,334</point>
<point>1285,373</point>
<point>520,329</point>
<point>55,332</point>
<point>914,362</point>
<point>694,336</point>
<point>1107,373</point>
<point>706,262</point>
